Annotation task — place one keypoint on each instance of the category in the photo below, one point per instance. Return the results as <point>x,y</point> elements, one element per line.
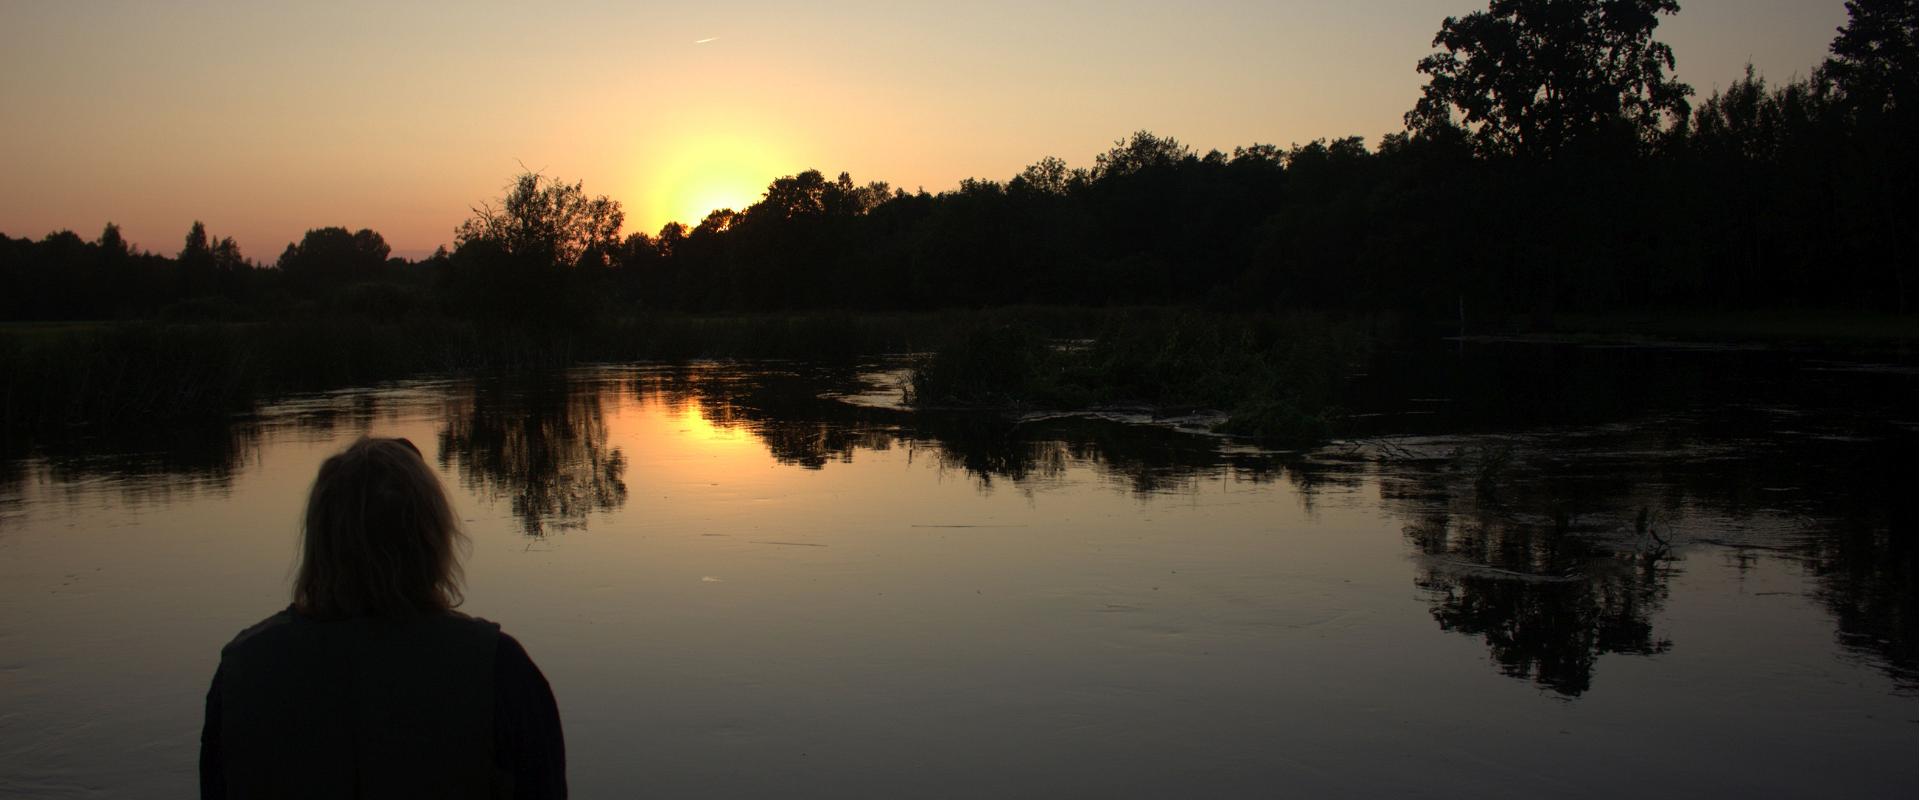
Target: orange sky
<point>264,122</point>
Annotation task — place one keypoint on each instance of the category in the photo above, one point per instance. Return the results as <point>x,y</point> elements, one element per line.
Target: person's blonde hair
<point>379,537</point>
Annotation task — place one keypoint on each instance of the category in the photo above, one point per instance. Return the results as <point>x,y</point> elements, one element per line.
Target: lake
<point>1531,570</point>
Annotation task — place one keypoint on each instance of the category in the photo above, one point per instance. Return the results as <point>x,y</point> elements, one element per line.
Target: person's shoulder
<point>477,622</point>
<point>263,629</point>
<point>510,649</point>
<point>478,632</point>
<point>512,666</point>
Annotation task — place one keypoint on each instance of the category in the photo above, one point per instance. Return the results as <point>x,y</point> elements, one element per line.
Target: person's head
<point>379,537</point>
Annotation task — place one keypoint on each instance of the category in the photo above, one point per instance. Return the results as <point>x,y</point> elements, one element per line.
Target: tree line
<point>1551,163</point>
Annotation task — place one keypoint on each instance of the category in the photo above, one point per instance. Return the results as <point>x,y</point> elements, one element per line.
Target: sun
<point>699,174</point>
<point>716,193</point>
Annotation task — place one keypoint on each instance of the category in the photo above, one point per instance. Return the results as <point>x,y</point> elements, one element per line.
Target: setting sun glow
<point>702,173</point>
<point>308,116</point>
<point>711,426</point>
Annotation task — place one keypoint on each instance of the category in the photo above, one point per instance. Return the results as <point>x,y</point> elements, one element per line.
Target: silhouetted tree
<point>1047,176</point>
<point>335,255</point>
<point>1534,77</point>
<point>1871,133</point>
<point>547,222</point>
<point>843,198</point>
<point>1139,152</point>
<point>197,248</point>
<point>1873,58</point>
<point>717,221</point>
<point>671,235</point>
<point>111,242</point>
<point>196,265</point>
<point>519,261</point>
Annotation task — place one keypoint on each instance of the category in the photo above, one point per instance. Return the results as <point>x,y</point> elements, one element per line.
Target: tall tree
<point>1535,77</point>
<point>197,248</point>
<point>1873,59</point>
<point>1872,74</point>
<point>112,242</point>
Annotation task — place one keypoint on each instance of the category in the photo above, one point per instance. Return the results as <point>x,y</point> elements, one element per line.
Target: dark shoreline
<point>61,379</point>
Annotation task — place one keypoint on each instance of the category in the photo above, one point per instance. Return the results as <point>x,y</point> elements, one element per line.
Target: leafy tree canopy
<point>546,222</point>
<point>1535,77</point>
<point>1048,176</point>
<point>1873,61</point>
<point>334,252</point>
<point>810,195</point>
<point>1137,153</point>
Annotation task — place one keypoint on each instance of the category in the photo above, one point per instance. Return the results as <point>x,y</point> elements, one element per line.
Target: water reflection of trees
<point>1557,549</point>
<point>785,410</point>
<point>157,465</point>
<point>1864,555</point>
<point>152,466</point>
<point>1549,564</point>
<point>540,444</point>
<point>1536,568</point>
<point>1843,491</point>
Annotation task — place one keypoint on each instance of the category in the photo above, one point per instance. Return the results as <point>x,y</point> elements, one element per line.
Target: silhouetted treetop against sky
<point>112,242</point>
<point>1873,57</point>
<point>201,251</point>
<point>335,254</point>
<point>810,194</point>
<point>1049,176</point>
<point>546,221</point>
<point>1535,77</point>
<point>1137,153</point>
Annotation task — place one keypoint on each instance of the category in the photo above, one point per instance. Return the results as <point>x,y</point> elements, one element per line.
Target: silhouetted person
<point>370,685</point>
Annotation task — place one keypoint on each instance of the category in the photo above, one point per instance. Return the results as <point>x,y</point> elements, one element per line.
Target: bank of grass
<point>1857,329</point>
<point>58,379</point>
<point>821,335</point>
<point>115,374</point>
<point>1275,376</point>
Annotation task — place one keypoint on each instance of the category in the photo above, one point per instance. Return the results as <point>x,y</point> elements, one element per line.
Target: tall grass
<point>150,373</point>
<point>62,378</point>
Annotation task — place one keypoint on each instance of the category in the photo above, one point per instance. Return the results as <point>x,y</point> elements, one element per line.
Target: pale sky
<point>267,119</point>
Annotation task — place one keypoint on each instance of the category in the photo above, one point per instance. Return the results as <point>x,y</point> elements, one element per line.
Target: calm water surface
<point>1558,571</point>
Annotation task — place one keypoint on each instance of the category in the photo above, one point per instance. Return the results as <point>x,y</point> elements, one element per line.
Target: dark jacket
<point>440,705</point>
